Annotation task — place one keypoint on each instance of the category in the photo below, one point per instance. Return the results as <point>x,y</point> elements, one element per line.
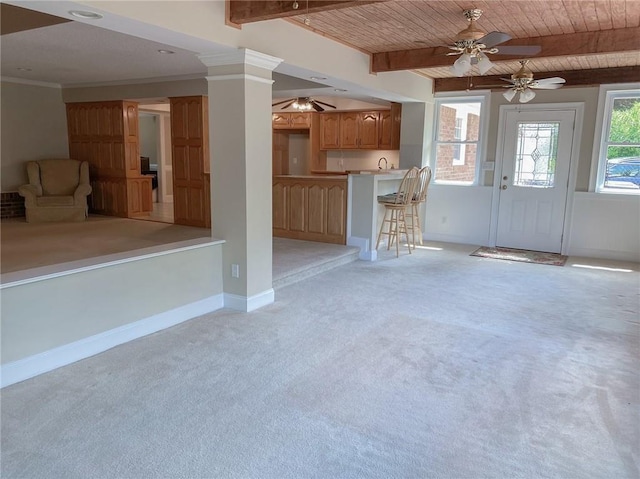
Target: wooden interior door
<point>190,156</point>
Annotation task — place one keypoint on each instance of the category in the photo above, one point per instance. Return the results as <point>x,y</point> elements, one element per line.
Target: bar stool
<point>419,197</point>
<point>395,209</point>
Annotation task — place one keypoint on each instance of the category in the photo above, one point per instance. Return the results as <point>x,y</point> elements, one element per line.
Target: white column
<point>415,135</point>
<point>240,138</point>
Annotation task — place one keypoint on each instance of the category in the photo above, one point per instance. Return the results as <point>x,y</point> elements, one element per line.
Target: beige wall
<point>34,126</point>
<point>43,315</point>
<point>588,96</point>
<point>136,91</point>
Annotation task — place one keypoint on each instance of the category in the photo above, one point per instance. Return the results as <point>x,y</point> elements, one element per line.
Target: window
<point>618,155</point>
<point>458,138</point>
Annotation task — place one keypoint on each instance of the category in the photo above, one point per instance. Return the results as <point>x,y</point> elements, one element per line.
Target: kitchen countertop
<point>314,177</point>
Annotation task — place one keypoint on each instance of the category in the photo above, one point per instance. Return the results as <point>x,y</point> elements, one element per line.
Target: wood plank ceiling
<point>591,36</point>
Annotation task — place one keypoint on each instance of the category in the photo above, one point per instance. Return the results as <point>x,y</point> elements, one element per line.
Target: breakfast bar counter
<point>364,213</point>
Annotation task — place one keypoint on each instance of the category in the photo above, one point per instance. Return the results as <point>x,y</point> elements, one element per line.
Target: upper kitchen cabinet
<point>389,128</point>
<point>366,130</point>
<point>330,131</point>
<point>291,121</point>
<point>358,129</point>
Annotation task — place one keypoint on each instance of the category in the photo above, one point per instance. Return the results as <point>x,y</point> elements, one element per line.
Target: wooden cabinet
<point>330,131</point>
<point>310,209</point>
<point>389,128</point>
<point>366,130</point>
<point>288,121</point>
<point>106,135</point>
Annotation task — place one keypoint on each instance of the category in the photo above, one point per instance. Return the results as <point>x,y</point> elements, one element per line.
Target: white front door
<point>536,156</point>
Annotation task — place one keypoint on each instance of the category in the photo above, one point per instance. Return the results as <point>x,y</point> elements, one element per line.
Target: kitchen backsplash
<point>341,160</point>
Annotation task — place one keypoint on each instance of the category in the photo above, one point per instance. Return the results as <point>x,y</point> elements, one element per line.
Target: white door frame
<point>578,109</point>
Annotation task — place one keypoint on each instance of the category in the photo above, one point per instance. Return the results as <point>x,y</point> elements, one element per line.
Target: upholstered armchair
<point>57,190</point>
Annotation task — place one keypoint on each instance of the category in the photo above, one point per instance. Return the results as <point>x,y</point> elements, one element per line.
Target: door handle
<point>504,187</point>
<point>504,178</point>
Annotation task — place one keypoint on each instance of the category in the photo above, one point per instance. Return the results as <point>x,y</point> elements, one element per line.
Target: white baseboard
<point>46,361</point>
<point>246,304</point>
<point>366,253</point>
<point>632,256</point>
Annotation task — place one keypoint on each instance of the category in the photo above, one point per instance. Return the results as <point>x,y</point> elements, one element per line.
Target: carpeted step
<point>317,267</point>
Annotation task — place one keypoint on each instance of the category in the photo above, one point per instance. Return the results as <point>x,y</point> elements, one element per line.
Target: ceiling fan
<point>522,82</point>
<point>473,45</point>
<point>303,103</point>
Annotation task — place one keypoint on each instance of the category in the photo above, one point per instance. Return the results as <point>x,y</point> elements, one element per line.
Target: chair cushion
<point>59,177</point>
<point>390,198</point>
<point>54,201</point>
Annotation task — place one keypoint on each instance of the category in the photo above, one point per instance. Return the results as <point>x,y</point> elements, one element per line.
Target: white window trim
<point>596,178</point>
<point>482,96</point>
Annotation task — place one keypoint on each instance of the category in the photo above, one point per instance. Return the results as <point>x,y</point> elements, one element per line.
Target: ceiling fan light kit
<point>303,103</point>
<point>522,82</point>
<point>473,45</point>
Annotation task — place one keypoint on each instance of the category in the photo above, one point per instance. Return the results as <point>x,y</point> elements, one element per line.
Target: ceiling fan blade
<point>281,102</point>
<point>494,38</point>
<point>323,103</point>
<point>507,79</point>
<point>519,50</point>
<point>316,107</point>
<point>288,104</point>
<point>550,80</point>
<point>546,86</point>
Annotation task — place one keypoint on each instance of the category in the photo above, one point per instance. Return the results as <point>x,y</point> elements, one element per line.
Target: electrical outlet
<point>235,270</point>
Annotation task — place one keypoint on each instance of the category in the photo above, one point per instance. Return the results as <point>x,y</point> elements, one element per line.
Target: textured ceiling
<point>413,24</point>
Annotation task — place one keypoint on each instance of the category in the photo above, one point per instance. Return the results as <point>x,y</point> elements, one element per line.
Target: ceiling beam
<point>248,11</point>
<point>571,44</point>
<point>573,78</point>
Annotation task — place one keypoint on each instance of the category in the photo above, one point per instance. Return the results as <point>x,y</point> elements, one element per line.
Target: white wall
<point>605,226</point>
<point>94,307</point>
<point>298,153</point>
<point>148,128</point>
<point>458,214</point>
<point>343,160</point>
<point>33,127</point>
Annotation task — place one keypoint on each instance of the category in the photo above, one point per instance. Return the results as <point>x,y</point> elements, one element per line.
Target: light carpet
<point>526,256</point>
<point>435,364</point>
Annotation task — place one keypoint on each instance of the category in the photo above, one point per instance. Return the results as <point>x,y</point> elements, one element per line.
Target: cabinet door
<point>385,130</point>
<point>280,120</point>
<point>300,120</point>
<point>368,130</point>
<point>330,131</point>
<point>349,130</point>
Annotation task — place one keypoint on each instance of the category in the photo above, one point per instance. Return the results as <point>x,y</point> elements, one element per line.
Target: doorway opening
<point>155,156</point>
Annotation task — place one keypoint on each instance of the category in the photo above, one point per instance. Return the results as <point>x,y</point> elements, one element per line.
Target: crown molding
<point>242,56</point>
<point>24,81</point>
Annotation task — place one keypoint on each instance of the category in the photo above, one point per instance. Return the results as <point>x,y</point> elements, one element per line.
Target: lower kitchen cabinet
<point>312,209</point>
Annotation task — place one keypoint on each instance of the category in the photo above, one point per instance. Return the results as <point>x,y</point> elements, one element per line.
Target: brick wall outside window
<point>445,169</point>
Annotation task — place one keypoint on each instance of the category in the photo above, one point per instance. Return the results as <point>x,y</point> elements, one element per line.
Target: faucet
<point>386,165</point>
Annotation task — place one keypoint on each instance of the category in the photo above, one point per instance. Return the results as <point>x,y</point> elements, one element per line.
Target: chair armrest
<point>30,193</point>
<point>82,191</point>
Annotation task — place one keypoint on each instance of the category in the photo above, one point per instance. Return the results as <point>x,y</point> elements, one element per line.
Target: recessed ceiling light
<point>23,69</point>
<point>339,89</point>
<point>85,15</point>
<point>166,52</point>
<point>318,78</point>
